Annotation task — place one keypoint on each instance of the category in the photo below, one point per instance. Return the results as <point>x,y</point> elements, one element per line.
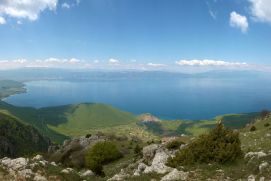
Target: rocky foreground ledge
<point>155,158</point>
<point>66,162</point>
<point>37,169</point>
<point>153,162</point>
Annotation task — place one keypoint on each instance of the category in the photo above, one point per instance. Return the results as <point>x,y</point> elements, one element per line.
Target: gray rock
<point>33,165</point>
<point>141,166</point>
<point>25,173</point>
<point>39,178</point>
<point>86,173</point>
<point>73,151</point>
<point>37,158</point>
<point>43,162</point>
<point>263,166</point>
<point>183,146</point>
<point>159,163</point>
<point>119,177</point>
<point>251,178</point>
<point>261,178</point>
<point>136,173</point>
<point>15,164</point>
<point>149,152</point>
<point>53,163</point>
<point>258,155</point>
<point>67,170</point>
<point>175,175</point>
<point>66,142</point>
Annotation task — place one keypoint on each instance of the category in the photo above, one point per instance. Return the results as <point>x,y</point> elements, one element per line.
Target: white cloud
<point>28,9</point>
<point>66,5</point>
<point>261,10</point>
<point>156,65</point>
<point>212,14</point>
<point>78,1</point>
<point>208,63</point>
<point>96,61</point>
<point>184,65</point>
<point>2,20</point>
<point>49,63</point>
<point>75,60</point>
<point>113,61</point>
<point>238,21</point>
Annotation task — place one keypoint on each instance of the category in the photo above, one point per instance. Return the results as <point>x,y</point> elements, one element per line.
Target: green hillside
<point>76,120</point>
<point>32,117</point>
<point>86,118</point>
<point>197,127</point>
<point>259,139</point>
<point>18,139</point>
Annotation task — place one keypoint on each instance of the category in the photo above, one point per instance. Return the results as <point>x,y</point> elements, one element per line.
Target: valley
<point>69,131</point>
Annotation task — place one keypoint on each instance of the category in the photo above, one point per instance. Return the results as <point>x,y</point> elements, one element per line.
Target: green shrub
<point>175,144</point>
<point>220,145</point>
<point>101,153</point>
<point>88,135</point>
<point>150,142</point>
<point>266,125</point>
<point>138,150</point>
<point>253,128</point>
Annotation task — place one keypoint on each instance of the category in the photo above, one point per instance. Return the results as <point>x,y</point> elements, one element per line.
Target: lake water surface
<point>183,98</point>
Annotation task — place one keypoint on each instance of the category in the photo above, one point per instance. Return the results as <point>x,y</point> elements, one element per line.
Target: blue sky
<point>151,32</point>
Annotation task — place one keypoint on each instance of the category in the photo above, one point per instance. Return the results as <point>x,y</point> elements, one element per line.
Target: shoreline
<point>10,88</point>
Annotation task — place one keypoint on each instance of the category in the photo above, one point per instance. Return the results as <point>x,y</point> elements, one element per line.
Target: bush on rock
<point>220,145</point>
<point>101,153</point>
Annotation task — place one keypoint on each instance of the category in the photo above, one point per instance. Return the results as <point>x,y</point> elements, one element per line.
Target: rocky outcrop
<point>252,155</point>
<point>159,163</point>
<point>175,175</point>
<point>14,164</point>
<point>23,168</point>
<point>120,176</point>
<point>156,157</point>
<point>263,166</point>
<point>148,118</point>
<point>72,152</point>
<point>37,169</point>
<point>251,178</point>
<point>86,173</point>
<point>67,171</point>
<point>149,152</point>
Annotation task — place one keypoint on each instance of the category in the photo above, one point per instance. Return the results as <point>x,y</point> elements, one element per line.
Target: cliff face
<point>17,139</point>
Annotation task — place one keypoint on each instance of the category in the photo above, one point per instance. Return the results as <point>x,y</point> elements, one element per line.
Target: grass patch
<point>92,117</point>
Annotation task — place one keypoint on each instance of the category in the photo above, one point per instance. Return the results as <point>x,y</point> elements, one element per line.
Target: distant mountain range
<point>30,74</point>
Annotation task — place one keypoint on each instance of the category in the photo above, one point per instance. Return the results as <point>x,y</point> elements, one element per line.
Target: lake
<point>168,98</point>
